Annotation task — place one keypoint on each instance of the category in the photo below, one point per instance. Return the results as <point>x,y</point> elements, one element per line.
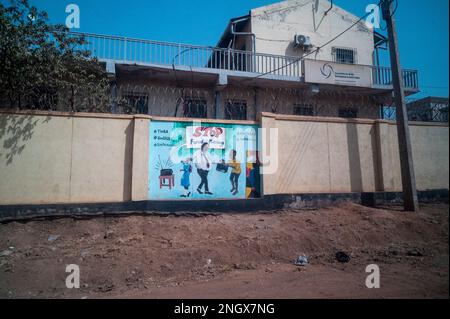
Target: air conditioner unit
<point>302,41</point>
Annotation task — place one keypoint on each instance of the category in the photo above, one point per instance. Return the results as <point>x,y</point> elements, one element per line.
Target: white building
<point>274,59</point>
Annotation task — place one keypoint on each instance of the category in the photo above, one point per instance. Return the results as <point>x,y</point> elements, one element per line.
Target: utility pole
<point>404,141</point>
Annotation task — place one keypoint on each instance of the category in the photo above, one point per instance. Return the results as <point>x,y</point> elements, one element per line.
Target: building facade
<point>429,109</point>
<point>222,96</point>
<point>271,60</point>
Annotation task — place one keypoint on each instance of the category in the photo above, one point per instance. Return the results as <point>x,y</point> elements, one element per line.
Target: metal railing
<point>131,50</point>
<point>382,76</point>
<point>138,51</point>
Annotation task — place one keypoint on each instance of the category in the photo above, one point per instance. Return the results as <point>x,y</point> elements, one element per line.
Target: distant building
<point>429,109</point>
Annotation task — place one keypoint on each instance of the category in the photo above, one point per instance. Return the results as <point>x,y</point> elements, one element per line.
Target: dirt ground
<point>231,255</point>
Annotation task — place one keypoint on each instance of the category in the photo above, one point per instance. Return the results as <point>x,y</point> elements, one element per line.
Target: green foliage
<point>42,67</point>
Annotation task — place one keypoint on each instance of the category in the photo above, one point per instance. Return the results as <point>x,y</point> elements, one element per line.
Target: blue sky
<point>423,26</point>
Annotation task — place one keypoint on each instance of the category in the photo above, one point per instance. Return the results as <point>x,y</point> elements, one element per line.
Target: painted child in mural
<point>235,172</point>
<point>203,163</point>
<point>253,177</point>
<point>185,180</point>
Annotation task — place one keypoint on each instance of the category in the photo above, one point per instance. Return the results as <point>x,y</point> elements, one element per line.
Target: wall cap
<point>299,118</point>
<point>261,115</point>
<point>121,116</point>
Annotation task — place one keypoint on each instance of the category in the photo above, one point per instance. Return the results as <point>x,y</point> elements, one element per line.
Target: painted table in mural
<point>175,158</point>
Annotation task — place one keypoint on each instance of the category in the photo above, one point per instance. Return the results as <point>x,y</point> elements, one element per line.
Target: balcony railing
<point>382,77</point>
<point>137,51</point>
<point>147,52</point>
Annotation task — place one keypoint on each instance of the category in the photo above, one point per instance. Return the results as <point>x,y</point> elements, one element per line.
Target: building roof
<point>240,23</point>
<point>429,100</point>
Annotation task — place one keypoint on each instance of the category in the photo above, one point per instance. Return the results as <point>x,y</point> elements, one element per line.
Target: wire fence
<point>422,112</point>
<point>234,102</point>
<point>239,103</point>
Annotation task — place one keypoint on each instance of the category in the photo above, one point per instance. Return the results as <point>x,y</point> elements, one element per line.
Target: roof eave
<point>227,31</point>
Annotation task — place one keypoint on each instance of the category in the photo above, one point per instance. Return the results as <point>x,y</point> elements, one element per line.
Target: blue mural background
<point>168,148</point>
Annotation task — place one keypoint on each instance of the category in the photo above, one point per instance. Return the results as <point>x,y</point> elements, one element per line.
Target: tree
<point>43,67</point>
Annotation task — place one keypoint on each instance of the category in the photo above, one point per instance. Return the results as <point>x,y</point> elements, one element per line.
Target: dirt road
<point>231,255</point>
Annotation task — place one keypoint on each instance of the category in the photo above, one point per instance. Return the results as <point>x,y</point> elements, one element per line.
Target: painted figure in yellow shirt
<point>235,172</point>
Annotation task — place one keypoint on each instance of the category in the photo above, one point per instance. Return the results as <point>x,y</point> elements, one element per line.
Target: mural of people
<point>185,179</point>
<point>235,172</point>
<point>253,179</point>
<point>203,163</point>
<point>202,157</point>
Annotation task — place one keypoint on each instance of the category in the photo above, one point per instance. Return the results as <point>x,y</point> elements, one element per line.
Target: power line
<point>392,14</point>
<point>272,40</point>
<point>395,10</point>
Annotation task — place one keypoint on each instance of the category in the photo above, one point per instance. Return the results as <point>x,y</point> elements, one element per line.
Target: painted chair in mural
<point>167,179</point>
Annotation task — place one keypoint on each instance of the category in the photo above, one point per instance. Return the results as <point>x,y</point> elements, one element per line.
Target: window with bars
<point>343,55</point>
<point>236,110</point>
<point>348,113</point>
<point>135,103</point>
<point>303,110</point>
<point>194,107</point>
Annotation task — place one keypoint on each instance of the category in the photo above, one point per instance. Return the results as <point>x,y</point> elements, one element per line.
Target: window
<point>348,113</point>
<point>304,110</point>
<point>195,107</point>
<point>341,55</point>
<point>236,110</point>
<point>388,113</point>
<point>135,103</point>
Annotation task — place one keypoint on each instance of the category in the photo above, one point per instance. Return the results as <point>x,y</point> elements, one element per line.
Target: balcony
<point>123,50</point>
<point>382,78</point>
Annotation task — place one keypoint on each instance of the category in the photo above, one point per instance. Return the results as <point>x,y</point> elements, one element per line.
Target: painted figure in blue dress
<point>185,180</point>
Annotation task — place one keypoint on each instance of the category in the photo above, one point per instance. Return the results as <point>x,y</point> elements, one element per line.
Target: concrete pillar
<point>222,82</point>
<point>113,97</point>
<point>139,187</point>
<point>111,71</point>
<point>217,104</point>
<point>258,109</point>
<point>269,182</point>
<point>385,168</point>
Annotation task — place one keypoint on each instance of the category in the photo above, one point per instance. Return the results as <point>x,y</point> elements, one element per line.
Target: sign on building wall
<point>323,72</point>
<point>205,161</point>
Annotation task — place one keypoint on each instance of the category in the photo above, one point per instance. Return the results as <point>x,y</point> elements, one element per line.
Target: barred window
<point>135,103</point>
<point>195,107</point>
<point>304,110</point>
<point>236,110</point>
<point>342,55</point>
<point>348,113</point>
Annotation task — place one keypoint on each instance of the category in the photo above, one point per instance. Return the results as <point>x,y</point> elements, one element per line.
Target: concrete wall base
<point>269,203</point>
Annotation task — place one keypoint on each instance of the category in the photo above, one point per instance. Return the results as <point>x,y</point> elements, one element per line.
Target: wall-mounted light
<point>314,88</point>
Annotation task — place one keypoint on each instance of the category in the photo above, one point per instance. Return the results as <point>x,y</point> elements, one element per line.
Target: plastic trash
<point>52,238</point>
<point>301,261</point>
<point>6,253</point>
<point>342,257</point>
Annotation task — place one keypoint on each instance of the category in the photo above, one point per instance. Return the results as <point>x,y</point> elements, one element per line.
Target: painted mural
<point>204,161</point>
